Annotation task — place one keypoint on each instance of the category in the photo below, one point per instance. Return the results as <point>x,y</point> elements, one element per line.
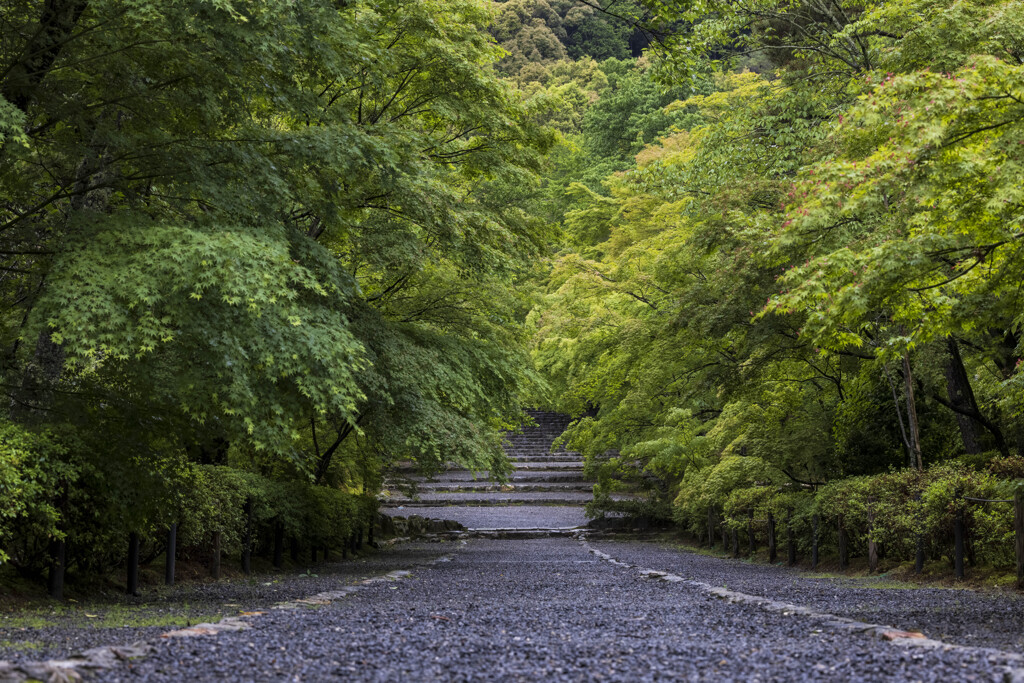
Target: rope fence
<point>715,520</point>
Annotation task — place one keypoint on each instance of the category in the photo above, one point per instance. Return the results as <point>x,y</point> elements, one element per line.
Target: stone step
<point>549,465</point>
<point>517,476</point>
<point>525,498</point>
<point>543,458</point>
<point>495,502</point>
<point>492,487</point>
<point>479,501</point>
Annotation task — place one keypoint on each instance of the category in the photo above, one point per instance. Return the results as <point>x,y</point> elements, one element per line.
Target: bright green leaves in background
<point>814,264</point>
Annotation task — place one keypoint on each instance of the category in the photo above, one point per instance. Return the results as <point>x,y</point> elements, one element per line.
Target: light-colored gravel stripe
<point>1013,670</point>
<point>72,669</point>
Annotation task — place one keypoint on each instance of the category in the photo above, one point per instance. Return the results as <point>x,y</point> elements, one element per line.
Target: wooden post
<point>958,540</point>
<point>58,550</point>
<point>247,539</point>
<point>133,564</point>
<point>872,545</point>
<point>278,545</point>
<point>215,556</point>
<point>750,532</point>
<point>1018,525</point>
<point>919,554</point>
<point>790,539</point>
<point>844,557</point>
<point>172,550</point>
<point>814,541</point>
<point>772,550</point>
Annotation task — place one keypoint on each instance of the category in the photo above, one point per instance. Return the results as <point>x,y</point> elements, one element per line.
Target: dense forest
<point>254,254</point>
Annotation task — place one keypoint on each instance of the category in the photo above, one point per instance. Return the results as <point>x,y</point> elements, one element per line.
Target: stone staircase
<point>543,475</point>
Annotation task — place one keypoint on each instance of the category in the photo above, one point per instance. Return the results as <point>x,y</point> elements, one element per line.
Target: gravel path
<point>963,617</point>
<point>485,517</point>
<point>41,634</point>
<point>542,610</point>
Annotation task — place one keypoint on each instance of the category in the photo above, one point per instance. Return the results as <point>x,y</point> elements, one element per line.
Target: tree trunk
<point>56,25</point>
<point>915,434</point>
<point>961,396</point>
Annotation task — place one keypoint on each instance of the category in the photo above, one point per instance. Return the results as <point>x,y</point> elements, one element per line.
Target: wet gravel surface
<point>46,634</point>
<point>483,517</point>
<point>542,610</point>
<point>963,617</point>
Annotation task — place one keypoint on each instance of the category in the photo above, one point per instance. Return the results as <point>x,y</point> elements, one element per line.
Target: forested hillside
<point>794,288</point>
<point>254,254</point>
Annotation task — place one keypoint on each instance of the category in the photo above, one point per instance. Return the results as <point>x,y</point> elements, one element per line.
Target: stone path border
<point>895,636</point>
<point>71,670</point>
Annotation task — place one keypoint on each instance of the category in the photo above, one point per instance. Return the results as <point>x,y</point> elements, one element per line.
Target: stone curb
<point>909,639</point>
<point>72,669</point>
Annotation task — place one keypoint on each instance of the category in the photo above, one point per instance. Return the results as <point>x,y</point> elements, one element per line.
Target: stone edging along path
<point>908,639</point>
<point>71,670</point>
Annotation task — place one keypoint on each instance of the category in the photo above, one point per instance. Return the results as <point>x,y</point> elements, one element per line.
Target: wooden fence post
<point>814,541</point>
<point>58,558</point>
<point>772,550</point>
<point>247,539</point>
<point>1018,524</point>
<point>958,537</point>
<point>133,564</point>
<point>58,551</point>
<point>872,545</point>
<point>172,550</point>
<point>215,556</point>
<point>919,554</point>
<point>711,527</point>
<point>278,545</point>
<point>790,539</point>
<point>750,532</point>
<point>844,556</point>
